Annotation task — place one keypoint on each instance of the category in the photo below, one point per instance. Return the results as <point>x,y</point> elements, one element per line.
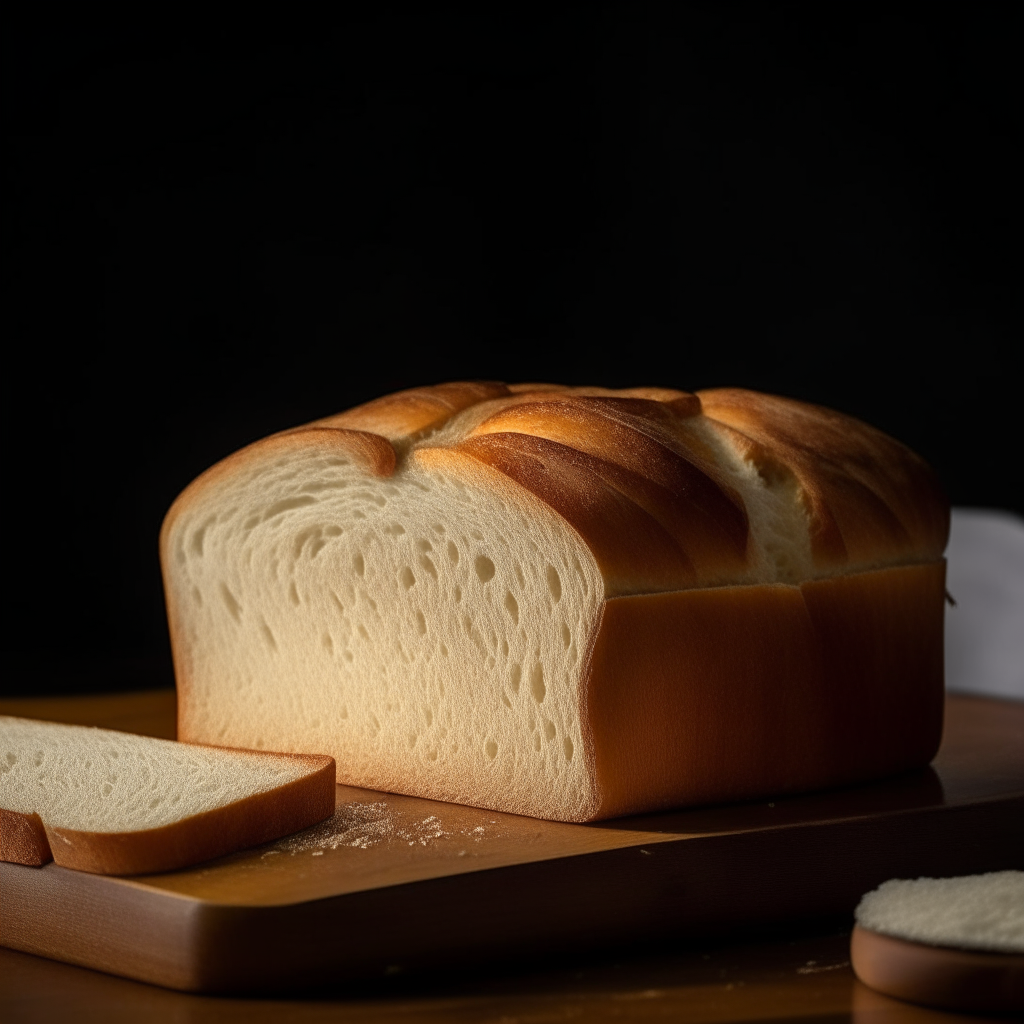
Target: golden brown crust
<point>23,839</point>
<point>738,692</point>
<point>870,499</point>
<point>592,495</point>
<point>635,448</point>
<point>950,979</point>
<point>406,413</point>
<point>256,819</point>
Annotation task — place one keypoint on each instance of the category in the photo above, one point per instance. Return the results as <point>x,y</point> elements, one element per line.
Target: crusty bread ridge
<point>574,603</point>
<point>118,804</point>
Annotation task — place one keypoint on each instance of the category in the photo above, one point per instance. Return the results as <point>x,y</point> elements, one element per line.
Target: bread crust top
<point>648,476</point>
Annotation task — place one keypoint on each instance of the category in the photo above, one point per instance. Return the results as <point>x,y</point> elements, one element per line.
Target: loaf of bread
<point>572,603</point>
<point>118,804</point>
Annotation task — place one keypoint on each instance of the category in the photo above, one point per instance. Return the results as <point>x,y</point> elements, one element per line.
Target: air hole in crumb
<point>512,605</point>
<point>359,564</point>
<point>407,577</point>
<point>362,631</point>
<point>514,676</point>
<point>554,584</point>
<point>505,700</point>
<point>428,565</point>
<point>549,730</point>
<point>268,636</point>
<point>536,742</point>
<point>567,747</point>
<point>491,749</point>
<point>328,642</point>
<point>566,636</point>
<point>395,529</point>
<point>453,553</point>
<point>458,594</point>
<point>424,545</point>
<point>421,623</point>
<point>484,568</point>
<point>230,603</point>
<point>293,594</point>
<point>537,687</point>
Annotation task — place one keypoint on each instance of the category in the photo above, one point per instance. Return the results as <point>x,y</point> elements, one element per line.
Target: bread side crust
<point>23,839</point>
<point>736,693</point>
<point>871,500</point>
<point>256,819</point>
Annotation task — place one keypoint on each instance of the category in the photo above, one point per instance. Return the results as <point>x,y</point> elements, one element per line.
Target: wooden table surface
<point>804,977</point>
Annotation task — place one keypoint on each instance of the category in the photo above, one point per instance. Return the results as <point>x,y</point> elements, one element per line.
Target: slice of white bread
<point>115,803</point>
<point>572,603</point>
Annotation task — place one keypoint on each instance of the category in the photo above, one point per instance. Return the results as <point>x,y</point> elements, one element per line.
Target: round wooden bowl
<point>949,979</point>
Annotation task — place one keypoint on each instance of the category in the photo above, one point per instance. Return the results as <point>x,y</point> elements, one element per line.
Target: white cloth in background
<point>985,576</point>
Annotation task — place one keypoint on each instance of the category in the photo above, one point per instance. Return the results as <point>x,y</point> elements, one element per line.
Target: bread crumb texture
<point>414,586</point>
<point>98,780</point>
<point>978,912</point>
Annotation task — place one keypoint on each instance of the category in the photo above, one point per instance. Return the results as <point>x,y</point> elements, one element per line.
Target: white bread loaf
<point>114,803</point>
<point>569,603</point>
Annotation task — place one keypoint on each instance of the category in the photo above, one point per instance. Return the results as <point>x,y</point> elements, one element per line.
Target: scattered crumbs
<point>647,993</point>
<point>771,805</point>
<point>648,852</point>
<point>811,967</point>
<point>365,825</point>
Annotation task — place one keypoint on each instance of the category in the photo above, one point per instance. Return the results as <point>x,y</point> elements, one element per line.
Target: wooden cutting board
<point>397,883</point>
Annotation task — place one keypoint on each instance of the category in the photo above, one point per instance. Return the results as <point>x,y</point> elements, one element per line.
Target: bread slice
<point>572,603</point>
<point>118,804</point>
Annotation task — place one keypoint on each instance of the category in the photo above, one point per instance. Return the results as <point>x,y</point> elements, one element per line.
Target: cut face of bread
<point>118,803</point>
<point>418,587</point>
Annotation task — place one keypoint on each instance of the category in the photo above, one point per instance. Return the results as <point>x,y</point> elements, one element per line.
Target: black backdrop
<point>221,233</point>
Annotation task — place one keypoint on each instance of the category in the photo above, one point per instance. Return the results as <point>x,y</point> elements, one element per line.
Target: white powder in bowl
<point>983,912</point>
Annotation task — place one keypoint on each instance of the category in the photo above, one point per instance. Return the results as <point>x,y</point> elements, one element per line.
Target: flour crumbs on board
<point>366,825</point>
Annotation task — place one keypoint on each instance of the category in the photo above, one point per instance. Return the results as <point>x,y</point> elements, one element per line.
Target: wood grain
<point>398,883</point>
<point>805,978</point>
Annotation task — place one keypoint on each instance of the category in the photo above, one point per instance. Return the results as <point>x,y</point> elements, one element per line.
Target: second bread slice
<point>116,803</point>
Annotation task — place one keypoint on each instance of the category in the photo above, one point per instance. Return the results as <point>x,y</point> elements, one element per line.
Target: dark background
<point>220,233</point>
